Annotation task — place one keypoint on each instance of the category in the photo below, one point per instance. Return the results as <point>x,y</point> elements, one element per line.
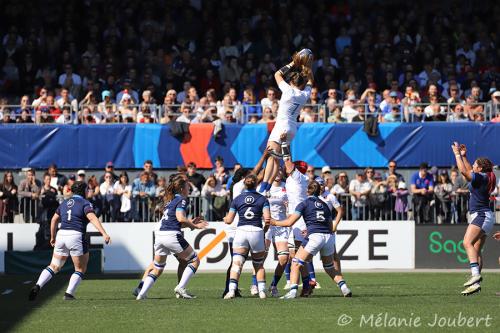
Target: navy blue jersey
<point>480,188</point>
<point>316,214</point>
<point>73,213</point>
<point>169,221</point>
<point>249,205</point>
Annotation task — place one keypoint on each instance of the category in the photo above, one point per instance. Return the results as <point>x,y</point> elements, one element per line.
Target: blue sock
<point>268,187</point>
<point>287,271</point>
<point>305,282</point>
<point>263,186</point>
<point>310,268</point>
<point>275,281</point>
<point>254,280</point>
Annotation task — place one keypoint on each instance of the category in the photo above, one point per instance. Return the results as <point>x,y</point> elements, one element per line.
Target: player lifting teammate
<point>482,183</point>
<point>294,95</point>
<point>75,213</point>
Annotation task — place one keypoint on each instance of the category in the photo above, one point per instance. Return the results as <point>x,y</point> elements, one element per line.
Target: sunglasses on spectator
<point>342,176</point>
<point>392,165</point>
<point>369,172</point>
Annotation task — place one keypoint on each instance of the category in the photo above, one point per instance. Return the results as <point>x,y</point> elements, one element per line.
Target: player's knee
<point>158,266</point>
<point>56,264</point>
<point>283,257</point>
<point>259,261</point>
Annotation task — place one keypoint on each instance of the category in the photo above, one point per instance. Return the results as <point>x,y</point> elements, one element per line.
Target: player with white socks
<point>251,208</point>
<point>320,237</point>
<point>169,239</point>
<point>75,213</point>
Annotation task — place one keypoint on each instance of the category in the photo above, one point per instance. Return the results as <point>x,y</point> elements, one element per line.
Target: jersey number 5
<point>320,216</point>
<point>249,214</point>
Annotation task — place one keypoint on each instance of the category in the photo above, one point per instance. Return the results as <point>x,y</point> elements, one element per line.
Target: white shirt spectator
<point>470,54</point>
<point>124,192</point>
<point>77,80</point>
<point>183,119</point>
<point>357,186</point>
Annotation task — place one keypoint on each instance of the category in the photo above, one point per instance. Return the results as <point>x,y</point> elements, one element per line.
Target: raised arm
<point>260,163</point>
<point>278,76</point>
<point>460,156</point>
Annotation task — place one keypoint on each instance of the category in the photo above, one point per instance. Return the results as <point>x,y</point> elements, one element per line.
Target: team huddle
<point>273,205</point>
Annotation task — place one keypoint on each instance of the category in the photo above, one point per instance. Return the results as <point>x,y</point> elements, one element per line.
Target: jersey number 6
<point>249,214</point>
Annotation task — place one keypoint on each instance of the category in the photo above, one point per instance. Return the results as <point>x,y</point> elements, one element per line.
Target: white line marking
<point>27,282</point>
<point>7,291</point>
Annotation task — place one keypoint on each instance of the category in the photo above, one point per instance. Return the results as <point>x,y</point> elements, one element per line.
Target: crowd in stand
<point>432,195</point>
<point>204,60</point>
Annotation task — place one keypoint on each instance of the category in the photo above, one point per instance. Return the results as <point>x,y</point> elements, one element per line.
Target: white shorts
<point>249,237</point>
<point>278,234</point>
<point>322,243</point>
<point>484,220</point>
<point>169,242</point>
<point>279,128</point>
<point>70,243</point>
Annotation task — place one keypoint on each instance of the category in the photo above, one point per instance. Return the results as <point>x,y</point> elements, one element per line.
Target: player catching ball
<point>482,183</point>
<point>293,96</point>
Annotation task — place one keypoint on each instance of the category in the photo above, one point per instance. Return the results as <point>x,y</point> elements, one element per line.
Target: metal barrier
<point>245,113</point>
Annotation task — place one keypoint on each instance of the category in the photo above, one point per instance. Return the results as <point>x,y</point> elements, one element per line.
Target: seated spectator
<point>457,114</point>
<point>29,193</point>
<point>123,191</point>
<point>360,117</point>
<point>126,110</point>
<point>359,189</point>
<point>267,116</point>
<point>336,116</point>
<point>66,117</point>
<point>8,198</point>
<point>349,105</point>
<point>422,188</point>
<point>394,116</point>
<point>492,108</point>
<point>443,191</point>
<point>107,108</point>
<point>185,116</point>
<point>25,117</point>
<point>307,115</point>
<point>435,112</point>
<point>108,199</point>
<point>143,192</point>
<point>250,108</point>
<point>7,117</point>
<point>267,101</point>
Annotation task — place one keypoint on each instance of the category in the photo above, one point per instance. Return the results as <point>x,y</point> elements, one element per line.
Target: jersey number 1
<point>69,215</point>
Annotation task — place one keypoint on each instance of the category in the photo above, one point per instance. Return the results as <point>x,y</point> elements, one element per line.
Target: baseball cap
<point>105,93</point>
<point>81,172</point>
<point>496,94</point>
<point>492,90</point>
<point>326,169</point>
<point>72,176</point>
<point>393,94</point>
<point>110,165</point>
<point>301,166</point>
<point>402,185</point>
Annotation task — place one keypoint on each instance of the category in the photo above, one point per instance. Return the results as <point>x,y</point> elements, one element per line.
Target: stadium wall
<point>362,245</point>
<point>336,145</point>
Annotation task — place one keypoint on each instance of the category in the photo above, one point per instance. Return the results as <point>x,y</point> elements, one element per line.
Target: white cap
<point>402,186</point>
<point>325,169</point>
<point>80,172</point>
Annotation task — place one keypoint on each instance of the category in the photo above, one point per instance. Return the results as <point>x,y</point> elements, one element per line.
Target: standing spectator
<point>422,188</point>
<point>216,195</point>
<point>143,190</point>
<point>460,196</point>
<point>369,172</point>
<point>401,202</point>
<point>148,167</point>
<point>81,176</point>
<point>220,171</point>
<point>195,178</point>
<point>57,180</point>
<point>378,197</point>
<point>392,170</point>
<point>269,99</point>
<point>359,189</point>
<point>443,192</point>
<point>49,204</point>
<point>93,195</point>
<point>8,198</point>
<point>326,172</point>
<point>310,172</point>
<point>110,167</point>
<point>29,192</point>
<point>109,204</point>
<point>123,192</point>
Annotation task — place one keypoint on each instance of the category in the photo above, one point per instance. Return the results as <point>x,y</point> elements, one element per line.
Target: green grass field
<point>105,303</point>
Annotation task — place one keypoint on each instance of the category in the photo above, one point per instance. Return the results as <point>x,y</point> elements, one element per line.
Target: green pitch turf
<point>382,302</point>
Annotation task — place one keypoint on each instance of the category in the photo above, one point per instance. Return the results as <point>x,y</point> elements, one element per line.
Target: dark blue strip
<point>80,274</point>
<point>233,281</point>
<point>341,283</point>
<point>474,264</point>
<point>294,287</point>
<point>154,277</point>
<point>50,271</point>
<point>192,268</point>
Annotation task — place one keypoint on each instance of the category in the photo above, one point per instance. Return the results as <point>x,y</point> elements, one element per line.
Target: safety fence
<point>332,112</point>
<point>376,207</point>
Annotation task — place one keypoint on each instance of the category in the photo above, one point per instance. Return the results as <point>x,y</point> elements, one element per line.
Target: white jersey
<point>277,202</point>
<point>291,102</point>
<point>330,200</point>
<point>296,189</point>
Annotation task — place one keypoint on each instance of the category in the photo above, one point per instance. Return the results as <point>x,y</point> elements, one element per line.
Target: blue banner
<point>336,145</point>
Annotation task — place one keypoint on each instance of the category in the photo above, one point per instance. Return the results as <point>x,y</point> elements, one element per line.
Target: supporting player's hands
<point>497,235</point>
<point>456,148</point>
<point>283,136</point>
<point>463,150</point>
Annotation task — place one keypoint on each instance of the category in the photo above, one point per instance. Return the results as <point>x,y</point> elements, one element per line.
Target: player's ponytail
<point>79,188</point>
<point>174,187</point>
<point>314,188</point>
<point>250,182</point>
<point>297,79</point>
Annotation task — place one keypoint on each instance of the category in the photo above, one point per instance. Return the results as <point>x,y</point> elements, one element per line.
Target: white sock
<point>344,288</point>
<point>186,276</point>
<point>474,268</point>
<point>261,285</point>
<point>233,285</point>
<point>74,281</point>
<point>148,283</point>
<point>45,276</point>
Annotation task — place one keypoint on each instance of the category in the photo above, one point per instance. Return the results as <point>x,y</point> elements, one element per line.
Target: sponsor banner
<point>440,246</point>
<point>361,244</point>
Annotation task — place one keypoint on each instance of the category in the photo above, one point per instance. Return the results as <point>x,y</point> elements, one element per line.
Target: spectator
<point>220,171</point>
<point>126,110</point>
<point>267,116</point>
<point>29,193</point>
<point>110,167</point>
<point>359,189</point>
<point>25,117</point>
<point>185,116</point>
<point>57,180</point>
<point>443,191</point>
<point>93,195</point>
<point>460,197</point>
<point>195,178</point>
<point>401,202</point>
<point>148,167</point>
<point>66,100</point>
<point>394,116</point>
<point>106,109</point>
<point>336,116</point>
<point>123,191</point>
<point>360,116</point>
<point>249,107</point>
<point>342,185</point>
<point>492,108</point>
<point>216,195</point>
<point>81,176</point>
<point>143,192</point>
<point>326,171</point>
<point>67,187</point>
<point>378,197</point>
<point>49,204</point>
<point>8,198</point>
<point>108,199</point>
<point>310,172</point>
<point>267,102</point>
<point>66,116</point>
<point>457,114</point>
<point>422,188</point>
<point>69,80</point>
<point>392,171</point>
<point>369,172</point>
